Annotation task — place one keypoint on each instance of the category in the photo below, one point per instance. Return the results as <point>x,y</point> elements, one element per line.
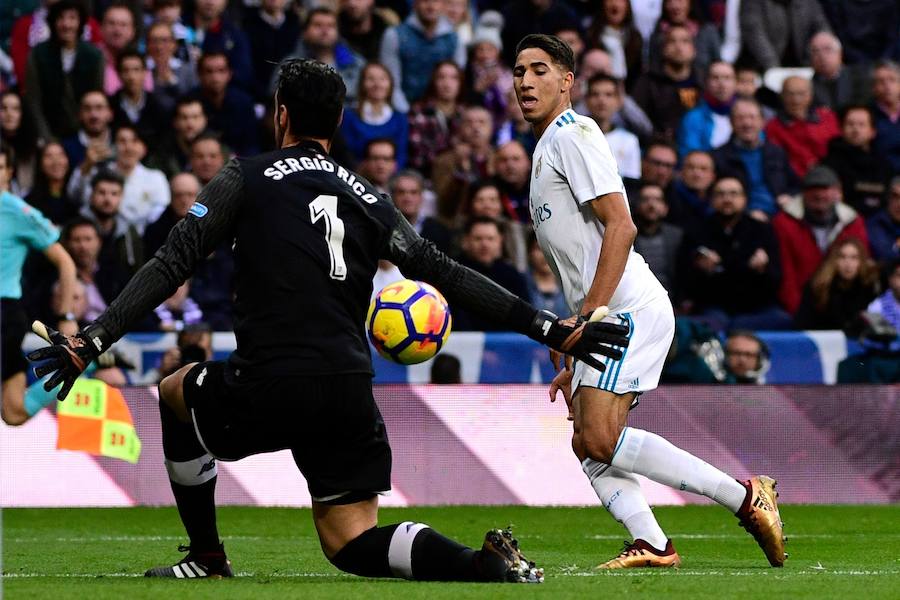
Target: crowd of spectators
<point>759,140</point>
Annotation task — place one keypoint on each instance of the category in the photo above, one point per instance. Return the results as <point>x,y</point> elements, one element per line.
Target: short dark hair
<point>206,136</point>
<point>319,10</point>
<point>380,140</point>
<point>74,222</point>
<point>107,176</point>
<point>851,107</point>
<point>58,8</point>
<point>604,78</point>
<point>559,51</point>
<point>188,99</point>
<point>313,94</point>
<point>212,54</point>
<point>473,221</point>
<point>129,53</point>
<point>132,128</point>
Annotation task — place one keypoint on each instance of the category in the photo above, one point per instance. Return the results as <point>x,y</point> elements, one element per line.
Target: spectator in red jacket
<point>807,227</point>
<point>803,131</point>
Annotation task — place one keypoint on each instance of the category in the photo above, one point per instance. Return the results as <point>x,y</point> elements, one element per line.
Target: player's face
<point>848,262</point>
<point>542,87</point>
<point>54,162</point>
<point>858,128</point>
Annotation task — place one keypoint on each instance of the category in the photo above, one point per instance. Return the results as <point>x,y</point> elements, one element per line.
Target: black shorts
<point>331,424</point>
<point>13,327</point>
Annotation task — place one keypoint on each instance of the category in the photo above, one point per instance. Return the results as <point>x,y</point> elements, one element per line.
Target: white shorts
<point>651,331</point>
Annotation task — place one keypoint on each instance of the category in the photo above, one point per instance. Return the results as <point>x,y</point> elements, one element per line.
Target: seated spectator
<point>750,157</point>
<point>146,192</point>
<point>215,33</point>
<point>604,99</point>
<point>31,29</point>
<point>489,81</point>
<point>803,131</point>
<point>544,290</point>
<point>379,162</point>
<point>102,281</point>
<point>776,33</point>
<point>808,227</point>
<point>746,358</point>
<point>532,16</point>
<point>408,192</point>
<point>690,191</point>
<point>513,127</point>
<point>708,126</point>
<point>132,105</point>
<point>485,199</point>
<point>683,13</point>
<point>272,32</point>
<point>49,192</point>
<point>886,101</point>
<point>667,93</point>
<point>172,154</point>
<point>373,116</point>
<point>121,246</point>
<point>178,310</point>
<point>19,134</point>
<point>884,226</point>
<point>513,180</point>
<point>228,108</point>
<point>60,71</point>
<point>834,84</point>
<point>482,249</point>
<point>867,29</point>
<point>207,157</point>
<point>733,267</point>
<point>320,41</point>
<point>184,188</point>
<point>471,158</point>
<point>92,144</point>
<point>632,117</point>
<point>888,303</point>
<point>843,286</point>
<point>173,76</point>
<point>119,33</point>
<point>658,167</point>
<point>362,25</point>
<point>864,173</point>
<point>613,29</point>
<point>435,119</point>
<point>658,242</point>
<point>412,49</point>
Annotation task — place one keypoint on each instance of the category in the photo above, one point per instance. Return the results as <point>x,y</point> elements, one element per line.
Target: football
<point>408,322</point>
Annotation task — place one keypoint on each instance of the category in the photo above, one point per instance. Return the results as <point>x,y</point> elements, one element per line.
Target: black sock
<point>432,557</point>
<point>195,491</point>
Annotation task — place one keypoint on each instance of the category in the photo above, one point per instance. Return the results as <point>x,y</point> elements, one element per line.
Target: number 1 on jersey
<point>325,207</point>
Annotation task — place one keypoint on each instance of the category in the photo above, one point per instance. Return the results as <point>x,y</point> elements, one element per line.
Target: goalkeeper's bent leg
<point>192,474</point>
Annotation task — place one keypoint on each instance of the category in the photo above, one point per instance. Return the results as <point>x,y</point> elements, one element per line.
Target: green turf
<point>836,551</point>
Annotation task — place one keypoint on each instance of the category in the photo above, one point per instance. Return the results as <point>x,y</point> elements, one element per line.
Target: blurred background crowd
<point>759,139</point>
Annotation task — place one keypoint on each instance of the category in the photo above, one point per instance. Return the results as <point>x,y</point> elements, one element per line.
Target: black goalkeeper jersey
<point>307,237</point>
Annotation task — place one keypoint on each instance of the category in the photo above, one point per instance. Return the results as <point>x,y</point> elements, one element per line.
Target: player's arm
<point>189,242</point>
<point>618,236</point>
<point>419,259</point>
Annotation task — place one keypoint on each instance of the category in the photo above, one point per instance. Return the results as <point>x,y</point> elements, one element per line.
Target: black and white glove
<point>67,357</point>
<point>579,338</point>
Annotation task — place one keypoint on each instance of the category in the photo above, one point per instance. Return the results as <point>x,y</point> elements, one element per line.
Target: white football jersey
<point>573,165</point>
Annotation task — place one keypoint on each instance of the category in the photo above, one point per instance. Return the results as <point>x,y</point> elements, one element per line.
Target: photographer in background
<point>194,344</point>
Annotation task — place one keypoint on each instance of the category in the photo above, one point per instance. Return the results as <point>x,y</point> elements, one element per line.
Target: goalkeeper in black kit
<point>307,236</point>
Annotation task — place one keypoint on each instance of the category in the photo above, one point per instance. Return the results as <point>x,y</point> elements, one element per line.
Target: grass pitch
<point>836,551</point>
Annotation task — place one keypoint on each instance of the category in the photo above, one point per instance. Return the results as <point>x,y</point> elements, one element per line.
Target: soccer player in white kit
<point>583,223</point>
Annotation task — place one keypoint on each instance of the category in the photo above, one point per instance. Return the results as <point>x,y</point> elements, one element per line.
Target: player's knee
<point>13,417</point>
<point>600,444</point>
<point>171,393</point>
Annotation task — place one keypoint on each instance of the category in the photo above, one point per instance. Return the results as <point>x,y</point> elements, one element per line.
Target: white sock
<point>621,495</point>
<point>655,458</point>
